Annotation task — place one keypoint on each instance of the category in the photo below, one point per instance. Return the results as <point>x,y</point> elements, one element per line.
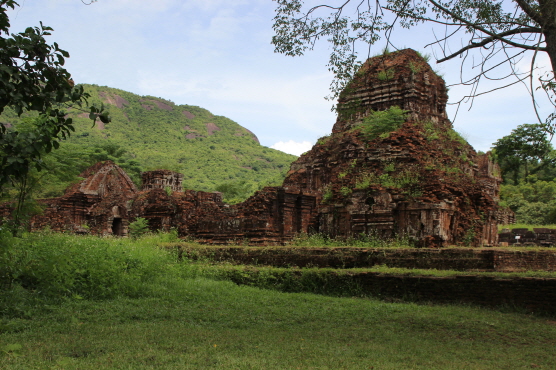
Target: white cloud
<point>293,147</point>
<point>299,99</point>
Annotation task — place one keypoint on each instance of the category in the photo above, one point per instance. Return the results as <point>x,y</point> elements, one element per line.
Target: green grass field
<point>525,226</point>
<point>91,303</point>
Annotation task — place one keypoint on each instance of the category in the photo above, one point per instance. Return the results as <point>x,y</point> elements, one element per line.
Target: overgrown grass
<point>381,123</point>
<point>525,226</point>
<point>50,267</point>
<point>138,308</point>
<point>361,241</point>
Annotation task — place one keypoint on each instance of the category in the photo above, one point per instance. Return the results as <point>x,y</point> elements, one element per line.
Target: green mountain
<point>146,133</point>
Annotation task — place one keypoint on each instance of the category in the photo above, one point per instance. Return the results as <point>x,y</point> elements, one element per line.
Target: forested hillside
<point>146,133</point>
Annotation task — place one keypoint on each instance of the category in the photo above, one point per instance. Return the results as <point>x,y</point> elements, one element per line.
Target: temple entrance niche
<point>298,226</point>
<point>117,223</point>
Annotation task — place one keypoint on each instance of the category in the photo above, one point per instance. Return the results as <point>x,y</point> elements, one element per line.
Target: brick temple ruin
<point>422,180</point>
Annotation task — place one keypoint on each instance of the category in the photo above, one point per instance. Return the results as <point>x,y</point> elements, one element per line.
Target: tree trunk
<point>548,14</point>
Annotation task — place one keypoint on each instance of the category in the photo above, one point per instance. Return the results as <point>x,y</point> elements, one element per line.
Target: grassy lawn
<point>91,303</point>
<point>200,323</point>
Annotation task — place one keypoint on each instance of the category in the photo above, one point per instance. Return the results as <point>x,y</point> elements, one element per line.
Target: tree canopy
<point>32,78</point>
<point>527,146</point>
<point>501,32</point>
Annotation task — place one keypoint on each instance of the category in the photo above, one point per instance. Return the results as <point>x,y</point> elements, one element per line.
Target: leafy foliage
<point>533,202</point>
<point>528,161</point>
<point>32,78</point>
<point>50,267</point>
<point>383,122</point>
<point>236,191</point>
<point>528,148</point>
<point>139,227</point>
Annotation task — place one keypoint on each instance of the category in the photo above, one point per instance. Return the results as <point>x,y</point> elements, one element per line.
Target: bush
<point>48,267</point>
<point>533,203</point>
<point>139,227</point>
<point>383,122</point>
<point>538,213</point>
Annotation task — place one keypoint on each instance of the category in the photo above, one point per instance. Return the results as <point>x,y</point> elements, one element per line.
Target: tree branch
<point>499,38</point>
<point>482,29</point>
<point>529,11</point>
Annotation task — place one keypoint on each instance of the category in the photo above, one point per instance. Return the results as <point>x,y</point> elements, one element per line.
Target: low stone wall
<point>539,236</point>
<point>460,259</point>
<point>533,295</point>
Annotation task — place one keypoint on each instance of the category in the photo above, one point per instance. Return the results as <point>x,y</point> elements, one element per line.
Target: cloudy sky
<point>216,54</point>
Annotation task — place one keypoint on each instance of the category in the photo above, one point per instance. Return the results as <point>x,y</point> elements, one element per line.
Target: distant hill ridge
<point>209,150</point>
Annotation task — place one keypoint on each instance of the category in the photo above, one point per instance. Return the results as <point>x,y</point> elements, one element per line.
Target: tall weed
<point>52,267</point>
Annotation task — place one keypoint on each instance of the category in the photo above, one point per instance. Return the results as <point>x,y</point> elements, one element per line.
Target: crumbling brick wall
<point>162,179</point>
<point>539,236</point>
<point>272,216</point>
<point>97,204</point>
<point>422,180</point>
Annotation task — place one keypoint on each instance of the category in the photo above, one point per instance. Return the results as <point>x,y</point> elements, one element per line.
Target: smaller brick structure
<point>162,179</point>
<point>98,204</point>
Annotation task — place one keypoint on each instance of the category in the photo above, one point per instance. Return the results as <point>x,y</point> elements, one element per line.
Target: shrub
<point>138,227</point>
<point>345,191</point>
<point>327,196</point>
<point>382,122</point>
<point>386,75</point>
<point>44,267</point>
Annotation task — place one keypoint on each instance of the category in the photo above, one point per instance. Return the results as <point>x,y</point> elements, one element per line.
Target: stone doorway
<point>117,227</point>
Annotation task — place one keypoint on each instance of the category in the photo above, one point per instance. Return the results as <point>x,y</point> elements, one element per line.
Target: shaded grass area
<point>199,323</point>
<point>71,302</point>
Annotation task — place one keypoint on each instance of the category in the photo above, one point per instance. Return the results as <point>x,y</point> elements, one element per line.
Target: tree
<point>32,78</point>
<point>527,145</point>
<point>500,32</point>
<point>236,191</point>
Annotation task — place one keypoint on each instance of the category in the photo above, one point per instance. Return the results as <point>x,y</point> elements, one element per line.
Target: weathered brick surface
<point>535,295</point>
<point>445,193</point>
<point>162,179</point>
<point>179,210</point>
<point>539,236</point>
<point>271,216</point>
<point>97,204</point>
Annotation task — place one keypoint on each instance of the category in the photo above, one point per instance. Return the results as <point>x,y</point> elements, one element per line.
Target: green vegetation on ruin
<point>382,123</point>
<point>148,133</point>
<point>82,302</point>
